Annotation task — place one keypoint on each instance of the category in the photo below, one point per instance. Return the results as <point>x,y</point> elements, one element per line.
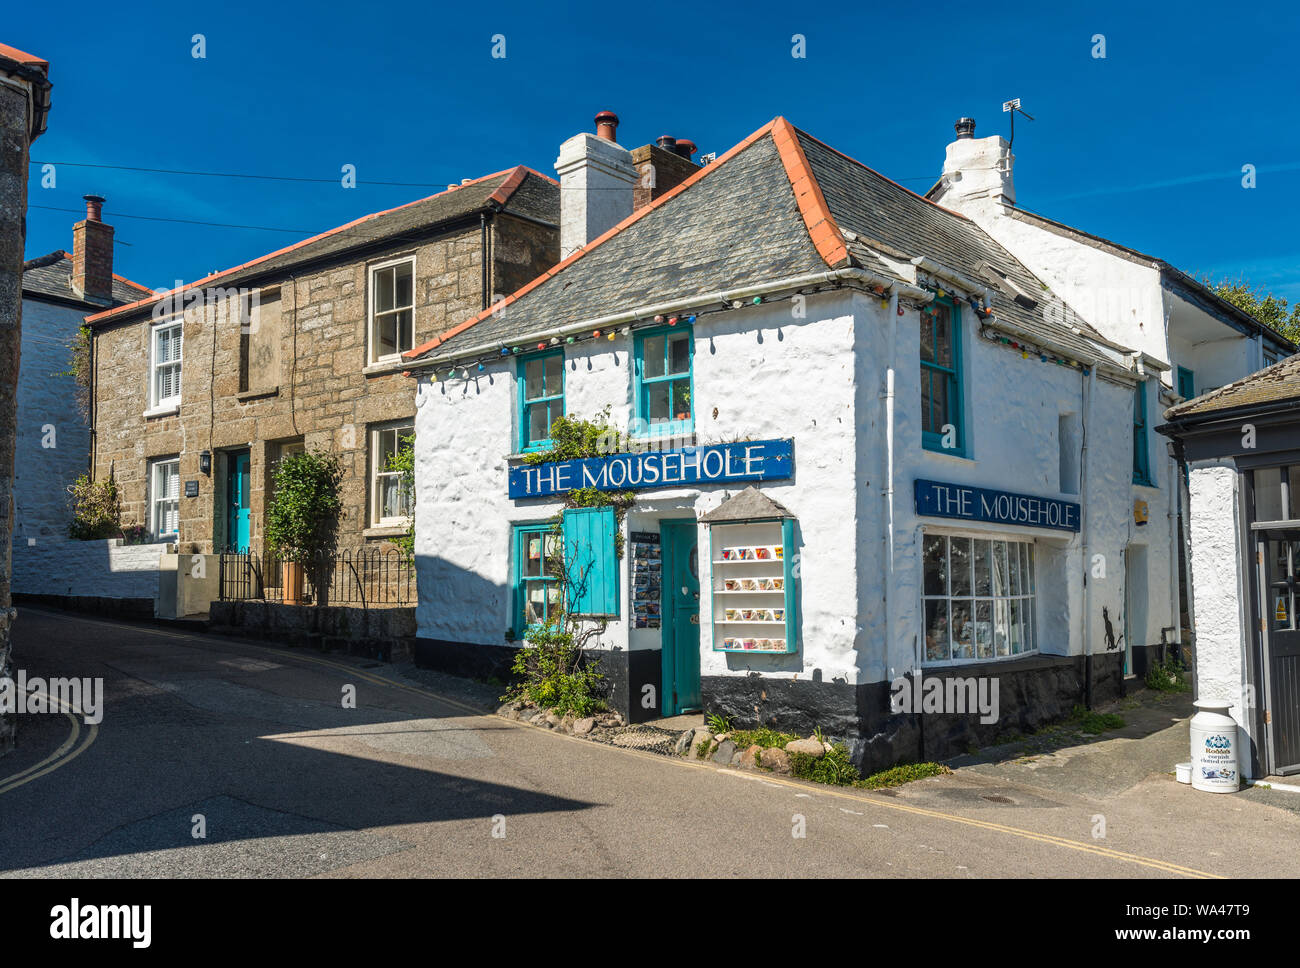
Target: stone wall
<point>327,396</point>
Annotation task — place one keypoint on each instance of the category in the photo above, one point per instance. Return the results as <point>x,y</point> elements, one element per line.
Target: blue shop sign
<point>940,500</point>
<point>747,460</point>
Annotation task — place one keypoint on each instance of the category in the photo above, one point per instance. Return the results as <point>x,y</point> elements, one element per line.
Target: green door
<point>681,618</point>
<point>237,520</point>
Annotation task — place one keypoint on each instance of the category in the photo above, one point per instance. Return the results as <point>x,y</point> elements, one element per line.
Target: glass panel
<point>983,567</point>
<point>679,353</point>
<point>653,355</point>
<point>386,335</point>
<point>943,338</point>
<point>1268,494</point>
<point>963,644</point>
<point>391,502</point>
<point>936,565</point>
<point>1001,629</point>
<point>553,553</point>
<point>984,629</point>
<point>939,401</point>
<point>959,555</point>
<point>936,630</point>
<point>1029,555</point>
<point>534,379</point>
<point>1000,568</point>
<point>532,563</point>
<point>538,427</point>
<point>554,376</point>
<point>1013,553</point>
<point>384,290</point>
<point>403,284</point>
<point>927,337</point>
<point>534,602</point>
<point>681,399</point>
<point>404,330</point>
<point>657,395</point>
<point>1016,627</point>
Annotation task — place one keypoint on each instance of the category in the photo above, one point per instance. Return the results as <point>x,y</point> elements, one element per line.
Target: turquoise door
<point>237,520</point>
<point>680,627</point>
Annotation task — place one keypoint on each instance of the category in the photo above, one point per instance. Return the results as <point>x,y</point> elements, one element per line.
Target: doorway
<point>238,532</point>
<point>1281,564</point>
<point>680,608</point>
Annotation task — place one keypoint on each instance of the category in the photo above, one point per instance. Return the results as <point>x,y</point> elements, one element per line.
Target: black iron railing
<point>366,577</point>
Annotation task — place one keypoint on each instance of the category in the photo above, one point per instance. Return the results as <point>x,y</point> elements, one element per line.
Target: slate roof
<point>51,275</point>
<point>749,505</point>
<point>1275,384</point>
<point>518,191</point>
<point>779,204</point>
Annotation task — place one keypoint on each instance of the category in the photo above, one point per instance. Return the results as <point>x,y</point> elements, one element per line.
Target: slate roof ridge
<point>63,255</point>
<point>636,216</point>
<point>513,177</point>
<point>850,158</point>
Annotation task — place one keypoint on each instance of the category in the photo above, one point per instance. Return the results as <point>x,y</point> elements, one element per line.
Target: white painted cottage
<point>872,446</point>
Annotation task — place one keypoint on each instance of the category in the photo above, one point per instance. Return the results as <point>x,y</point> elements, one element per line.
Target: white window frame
<point>1029,596</point>
<point>378,475</point>
<point>174,401</point>
<point>372,340</point>
<point>155,466</point>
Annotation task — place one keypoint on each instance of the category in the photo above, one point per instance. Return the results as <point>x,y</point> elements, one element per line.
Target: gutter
<point>859,276</point>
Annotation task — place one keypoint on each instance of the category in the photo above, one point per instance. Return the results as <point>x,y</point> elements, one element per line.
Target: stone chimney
<point>661,167</point>
<point>92,255</point>
<point>596,182</point>
<point>977,168</point>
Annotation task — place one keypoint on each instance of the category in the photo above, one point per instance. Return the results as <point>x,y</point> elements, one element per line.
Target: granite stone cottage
<point>1241,444</point>
<point>868,447</point>
<point>199,390</point>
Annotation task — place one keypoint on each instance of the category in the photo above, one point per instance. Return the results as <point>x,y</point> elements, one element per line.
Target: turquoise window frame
<point>1141,446</point>
<point>522,532</point>
<point>930,439</point>
<point>642,383</point>
<point>1186,383</point>
<point>526,444</point>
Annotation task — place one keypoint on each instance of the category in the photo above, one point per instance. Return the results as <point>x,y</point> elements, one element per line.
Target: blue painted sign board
<point>746,460</point>
<point>961,501</point>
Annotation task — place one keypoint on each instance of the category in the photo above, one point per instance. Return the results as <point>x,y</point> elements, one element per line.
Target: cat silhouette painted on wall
<point>1111,642</point>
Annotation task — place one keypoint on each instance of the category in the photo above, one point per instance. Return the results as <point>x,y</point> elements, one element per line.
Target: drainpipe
<point>1089,389</point>
<point>890,358</point>
<point>1175,488</point>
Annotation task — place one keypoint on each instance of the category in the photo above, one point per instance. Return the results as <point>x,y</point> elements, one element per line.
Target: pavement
<point>221,757</point>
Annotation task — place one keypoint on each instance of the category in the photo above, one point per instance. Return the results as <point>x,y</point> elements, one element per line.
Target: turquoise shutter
<point>592,561</point>
<point>791,599</point>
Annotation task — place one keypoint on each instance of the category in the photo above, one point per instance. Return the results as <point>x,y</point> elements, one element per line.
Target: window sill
<point>389,364</point>
<point>952,454</point>
<point>166,410</point>
<point>385,531</point>
<point>245,395</point>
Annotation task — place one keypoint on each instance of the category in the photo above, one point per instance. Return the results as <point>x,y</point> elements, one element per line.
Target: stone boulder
<point>810,747</point>
<point>726,749</point>
<point>749,758</point>
<point>776,760</point>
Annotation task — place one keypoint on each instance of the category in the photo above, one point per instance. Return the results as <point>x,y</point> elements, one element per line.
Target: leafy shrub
<point>404,463</point>
<point>835,768</point>
<point>1168,676</point>
<point>763,736</point>
<point>96,509</point>
<point>302,519</point>
<point>899,775</point>
<point>553,672</point>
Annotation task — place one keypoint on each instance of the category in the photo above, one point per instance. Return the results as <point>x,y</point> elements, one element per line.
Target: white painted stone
<point>95,569</point>
<point>596,180</point>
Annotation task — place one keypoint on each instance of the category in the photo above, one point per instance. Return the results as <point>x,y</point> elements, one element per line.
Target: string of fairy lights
<point>443,372</point>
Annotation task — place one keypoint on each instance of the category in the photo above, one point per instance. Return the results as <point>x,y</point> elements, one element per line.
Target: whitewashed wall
<point>764,372</point>
<point>1223,639</point>
<point>88,569</point>
<point>53,445</point>
<point>818,380</point>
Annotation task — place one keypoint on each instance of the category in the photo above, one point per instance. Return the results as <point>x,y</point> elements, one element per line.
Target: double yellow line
<point>62,756</point>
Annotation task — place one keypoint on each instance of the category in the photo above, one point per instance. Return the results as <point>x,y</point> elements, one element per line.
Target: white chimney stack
<point>596,181</point>
<point>977,168</point>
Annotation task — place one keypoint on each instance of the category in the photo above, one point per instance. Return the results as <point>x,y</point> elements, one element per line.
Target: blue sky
<point>1144,147</point>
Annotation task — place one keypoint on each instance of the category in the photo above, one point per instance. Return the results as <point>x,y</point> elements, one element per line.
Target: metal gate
<point>1281,565</point>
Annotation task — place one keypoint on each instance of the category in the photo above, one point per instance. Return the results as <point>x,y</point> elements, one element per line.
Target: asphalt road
<point>254,747</point>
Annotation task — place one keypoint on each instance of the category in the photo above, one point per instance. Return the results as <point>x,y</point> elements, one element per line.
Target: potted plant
<point>302,519</point>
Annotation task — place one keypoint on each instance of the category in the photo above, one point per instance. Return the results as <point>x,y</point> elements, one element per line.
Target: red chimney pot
<point>686,147</point>
<point>607,125</point>
<point>94,207</point>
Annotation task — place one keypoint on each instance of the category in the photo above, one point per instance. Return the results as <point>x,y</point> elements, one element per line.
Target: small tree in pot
<point>302,519</point>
